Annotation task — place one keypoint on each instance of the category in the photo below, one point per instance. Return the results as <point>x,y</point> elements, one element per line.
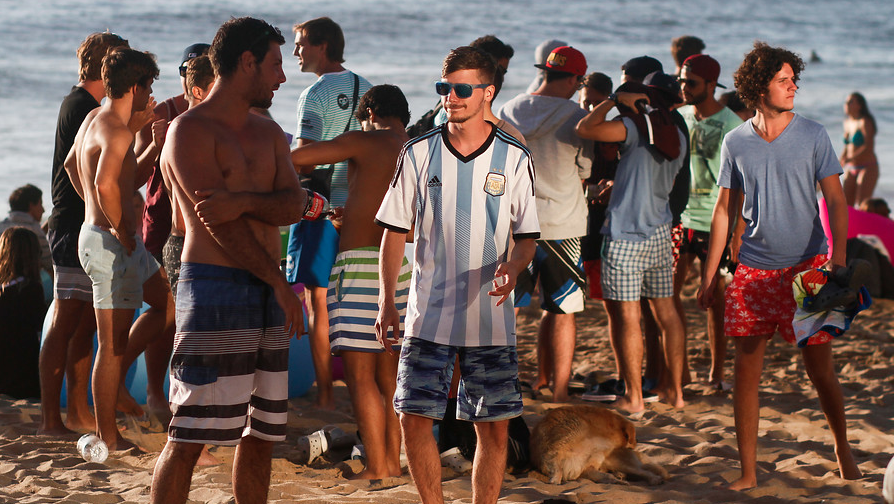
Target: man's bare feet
<point>847,465</point>
<point>127,404</point>
<point>367,474</point>
<point>55,430</point>
<point>671,397</point>
<point>325,401</point>
<point>84,422</point>
<point>626,406</point>
<point>158,405</point>
<point>743,483</point>
<point>121,445</point>
<point>561,397</point>
<point>207,459</point>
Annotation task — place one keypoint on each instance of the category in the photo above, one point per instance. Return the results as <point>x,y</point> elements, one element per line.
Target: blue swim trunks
<point>230,368</point>
<point>311,253</point>
<point>488,389</point>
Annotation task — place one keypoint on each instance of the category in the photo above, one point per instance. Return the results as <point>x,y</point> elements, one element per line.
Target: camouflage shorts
<point>488,389</point>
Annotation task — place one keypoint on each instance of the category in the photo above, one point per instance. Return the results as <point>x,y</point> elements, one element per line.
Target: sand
<point>696,444</point>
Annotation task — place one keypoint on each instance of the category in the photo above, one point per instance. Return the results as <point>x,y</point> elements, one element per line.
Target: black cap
<point>666,84</point>
<point>194,51</point>
<point>638,68</point>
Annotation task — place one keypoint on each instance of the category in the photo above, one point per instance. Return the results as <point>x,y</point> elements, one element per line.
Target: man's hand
<point>705,295</point>
<point>159,130</point>
<point>217,206</point>
<point>831,267</point>
<point>143,117</point>
<point>600,192</point>
<point>504,282</point>
<point>292,308</point>
<point>126,239</point>
<point>629,99</point>
<point>388,318</point>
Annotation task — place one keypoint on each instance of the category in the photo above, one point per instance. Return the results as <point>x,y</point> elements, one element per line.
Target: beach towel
<point>819,327</point>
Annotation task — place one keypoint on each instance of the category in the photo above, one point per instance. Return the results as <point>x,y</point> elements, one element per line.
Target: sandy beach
<point>695,444</point>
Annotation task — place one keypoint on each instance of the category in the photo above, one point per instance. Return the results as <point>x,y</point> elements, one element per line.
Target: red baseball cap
<point>566,59</point>
<point>705,67</point>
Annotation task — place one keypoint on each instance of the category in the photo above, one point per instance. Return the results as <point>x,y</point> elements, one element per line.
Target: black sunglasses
<point>462,90</point>
<point>183,70</point>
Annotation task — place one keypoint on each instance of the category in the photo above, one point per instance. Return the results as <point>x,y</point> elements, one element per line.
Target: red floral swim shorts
<point>760,301</point>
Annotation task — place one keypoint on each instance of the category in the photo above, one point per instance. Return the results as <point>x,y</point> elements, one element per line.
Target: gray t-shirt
<point>562,158</point>
<point>778,180</point>
<point>643,182</point>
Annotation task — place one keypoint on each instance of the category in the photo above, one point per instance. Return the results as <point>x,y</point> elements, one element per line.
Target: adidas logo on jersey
<point>434,182</point>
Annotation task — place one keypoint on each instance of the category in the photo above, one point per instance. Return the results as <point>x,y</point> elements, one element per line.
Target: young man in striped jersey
<point>325,110</point>
<point>467,187</point>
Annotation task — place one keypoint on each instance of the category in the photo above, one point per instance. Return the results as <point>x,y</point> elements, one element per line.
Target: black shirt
<point>68,207</point>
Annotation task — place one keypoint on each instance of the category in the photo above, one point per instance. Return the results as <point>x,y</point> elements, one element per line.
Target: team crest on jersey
<point>343,102</point>
<point>495,184</point>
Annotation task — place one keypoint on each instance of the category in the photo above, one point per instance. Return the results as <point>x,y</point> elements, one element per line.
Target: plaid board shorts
<point>760,301</point>
<point>488,389</point>
<point>634,270</point>
<point>230,367</point>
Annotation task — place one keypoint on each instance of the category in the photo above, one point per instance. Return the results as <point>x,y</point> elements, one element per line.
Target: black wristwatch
<point>614,98</point>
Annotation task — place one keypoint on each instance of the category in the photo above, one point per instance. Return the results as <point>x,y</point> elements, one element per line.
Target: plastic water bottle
<point>93,449</point>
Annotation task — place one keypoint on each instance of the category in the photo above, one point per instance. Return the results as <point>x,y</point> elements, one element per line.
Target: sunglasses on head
<point>462,90</point>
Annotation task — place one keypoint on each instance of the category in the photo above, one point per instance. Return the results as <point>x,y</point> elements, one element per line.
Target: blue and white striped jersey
<point>465,210</point>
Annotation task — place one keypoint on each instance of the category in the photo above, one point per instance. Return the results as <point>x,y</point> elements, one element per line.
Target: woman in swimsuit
<point>858,158</point>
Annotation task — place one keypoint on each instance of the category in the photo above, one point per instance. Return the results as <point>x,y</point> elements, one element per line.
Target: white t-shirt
<point>465,210</point>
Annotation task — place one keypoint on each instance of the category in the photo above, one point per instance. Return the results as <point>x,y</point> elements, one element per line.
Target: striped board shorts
<point>558,266</point>
<point>353,300</point>
<point>638,269</point>
<point>229,371</point>
<point>70,281</point>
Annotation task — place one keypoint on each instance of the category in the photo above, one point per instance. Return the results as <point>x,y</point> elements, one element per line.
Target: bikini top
<point>857,140</point>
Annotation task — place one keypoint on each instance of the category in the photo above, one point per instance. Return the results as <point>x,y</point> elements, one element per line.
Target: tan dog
<point>584,440</point>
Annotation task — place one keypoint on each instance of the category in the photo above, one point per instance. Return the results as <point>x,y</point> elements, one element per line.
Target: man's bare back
<point>103,161</point>
<point>372,157</point>
<point>369,173</point>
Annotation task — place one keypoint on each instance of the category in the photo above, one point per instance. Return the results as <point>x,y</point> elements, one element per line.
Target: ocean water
<point>403,42</point>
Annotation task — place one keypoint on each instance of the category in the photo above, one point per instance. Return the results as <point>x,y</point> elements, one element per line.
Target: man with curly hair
<point>774,161</point>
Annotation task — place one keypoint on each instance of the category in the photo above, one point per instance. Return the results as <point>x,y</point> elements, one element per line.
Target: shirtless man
<point>103,169</point>
<point>234,184</point>
<point>68,342</point>
<point>370,372</point>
